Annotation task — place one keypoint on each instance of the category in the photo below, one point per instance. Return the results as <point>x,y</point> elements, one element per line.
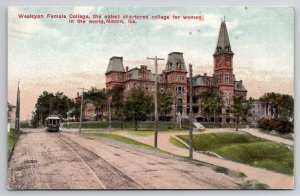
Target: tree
<point>164,104</point>
<point>49,104</point>
<point>210,102</point>
<point>240,109</point>
<point>138,105</point>
<point>9,109</point>
<point>281,105</point>
<point>98,97</point>
<point>117,102</point>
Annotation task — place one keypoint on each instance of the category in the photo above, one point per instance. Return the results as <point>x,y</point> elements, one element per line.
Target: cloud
<point>84,9</point>
<point>209,27</point>
<point>213,33</point>
<point>184,23</point>
<point>238,32</point>
<point>232,24</point>
<point>26,28</point>
<point>210,20</point>
<point>183,33</point>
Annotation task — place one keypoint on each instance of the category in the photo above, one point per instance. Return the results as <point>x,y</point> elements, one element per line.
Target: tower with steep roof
<point>115,72</point>
<point>223,67</point>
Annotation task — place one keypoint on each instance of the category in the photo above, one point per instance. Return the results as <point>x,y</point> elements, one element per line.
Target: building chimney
<point>126,68</point>
<point>205,74</point>
<point>77,94</point>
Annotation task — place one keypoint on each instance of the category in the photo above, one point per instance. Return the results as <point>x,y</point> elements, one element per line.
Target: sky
<point>53,55</point>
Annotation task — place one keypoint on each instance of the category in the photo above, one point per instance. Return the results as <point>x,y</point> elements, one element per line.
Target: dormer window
<point>179,66</point>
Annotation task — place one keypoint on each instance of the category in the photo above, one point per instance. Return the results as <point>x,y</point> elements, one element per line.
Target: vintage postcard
<point>150,98</point>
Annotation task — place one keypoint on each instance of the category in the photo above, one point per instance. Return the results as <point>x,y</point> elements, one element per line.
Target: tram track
<point>108,175</point>
<point>63,160</point>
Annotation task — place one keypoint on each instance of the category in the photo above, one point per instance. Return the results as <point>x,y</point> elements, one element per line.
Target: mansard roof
<point>223,44</point>
<point>238,86</point>
<point>115,65</point>
<point>200,80</point>
<point>134,74</point>
<point>175,58</point>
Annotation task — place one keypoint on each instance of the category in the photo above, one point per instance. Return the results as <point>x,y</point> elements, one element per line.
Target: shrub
<point>280,125</point>
<point>222,170</point>
<point>283,126</point>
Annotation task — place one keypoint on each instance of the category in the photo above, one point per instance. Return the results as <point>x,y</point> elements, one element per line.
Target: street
<point>64,160</point>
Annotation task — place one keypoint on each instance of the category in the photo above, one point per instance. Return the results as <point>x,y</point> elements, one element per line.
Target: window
<point>169,78</point>
<point>179,89</point>
<point>179,78</point>
<point>227,101</point>
<point>226,78</point>
<point>179,106</point>
<point>128,87</point>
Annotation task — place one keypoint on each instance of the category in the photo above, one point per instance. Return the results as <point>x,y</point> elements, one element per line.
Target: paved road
<point>63,160</point>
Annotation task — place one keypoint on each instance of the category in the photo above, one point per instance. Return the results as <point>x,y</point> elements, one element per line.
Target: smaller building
<point>258,111</point>
<point>89,112</point>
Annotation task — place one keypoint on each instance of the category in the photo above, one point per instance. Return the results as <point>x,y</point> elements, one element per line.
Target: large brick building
<point>174,80</point>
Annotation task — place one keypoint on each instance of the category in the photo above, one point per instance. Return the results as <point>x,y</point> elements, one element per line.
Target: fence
<point>162,125</point>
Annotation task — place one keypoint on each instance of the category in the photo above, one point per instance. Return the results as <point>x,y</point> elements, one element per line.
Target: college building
<point>174,80</point>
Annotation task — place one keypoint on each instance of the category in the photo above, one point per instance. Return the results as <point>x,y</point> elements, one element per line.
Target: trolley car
<point>53,123</point>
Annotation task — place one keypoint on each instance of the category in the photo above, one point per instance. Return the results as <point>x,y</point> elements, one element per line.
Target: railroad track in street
<point>109,176</point>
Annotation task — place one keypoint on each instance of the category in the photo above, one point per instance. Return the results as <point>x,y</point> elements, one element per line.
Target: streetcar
<point>53,123</point>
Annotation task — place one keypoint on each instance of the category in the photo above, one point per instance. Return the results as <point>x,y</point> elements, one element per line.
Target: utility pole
<point>17,120</point>
<point>190,114</point>
<point>155,100</point>
<point>109,115</point>
<point>81,106</point>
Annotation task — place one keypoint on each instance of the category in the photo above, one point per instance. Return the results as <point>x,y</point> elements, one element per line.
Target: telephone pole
<point>17,121</point>
<point>190,115</point>
<point>109,114</point>
<point>155,100</point>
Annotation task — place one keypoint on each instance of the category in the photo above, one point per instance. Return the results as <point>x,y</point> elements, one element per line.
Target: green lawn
<point>144,133</point>
<point>248,149</point>
<point>118,138</point>
<point>148,132</point>
<point>177,143</point>
<point>11,139</point>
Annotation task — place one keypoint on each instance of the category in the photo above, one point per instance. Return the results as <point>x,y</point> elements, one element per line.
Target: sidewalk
<point>274,180</point>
